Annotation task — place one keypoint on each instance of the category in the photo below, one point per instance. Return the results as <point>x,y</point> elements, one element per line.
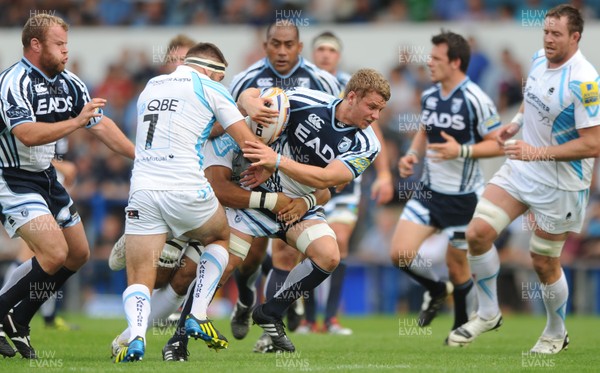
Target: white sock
<point>124,336</point>
<point>472,303</point>
<point>555,299</point>
<point>423,267</point>
<point>485,270</point>
<point>163,303</point>
<point>210,269</point>
<point>136,301</point>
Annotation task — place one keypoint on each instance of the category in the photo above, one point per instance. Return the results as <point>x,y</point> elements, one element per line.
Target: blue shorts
<point>448,213</point>
<point>26,195</point>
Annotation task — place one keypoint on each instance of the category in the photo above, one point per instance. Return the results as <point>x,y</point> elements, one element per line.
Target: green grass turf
<point>379,344</point>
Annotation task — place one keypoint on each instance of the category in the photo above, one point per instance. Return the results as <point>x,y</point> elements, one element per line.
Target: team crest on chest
<point>64,85</point>
<point>40,88</point>
<point>431,103</point>
<point>456,104</point>
<point>344,145</point>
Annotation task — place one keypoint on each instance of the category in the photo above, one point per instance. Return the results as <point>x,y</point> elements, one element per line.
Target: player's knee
<point>547,268</point>
<point>329,261</point>
<point>52,260</point>
<point>324,252</point>
<point>487,223</point>
<point>479,235</point>
<point>319,243</point>
<point>81,256</point>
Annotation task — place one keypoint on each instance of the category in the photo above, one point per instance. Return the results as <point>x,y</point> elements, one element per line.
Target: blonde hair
<point>37,27</point>
<point>181,41</point>
<point>368,80</point>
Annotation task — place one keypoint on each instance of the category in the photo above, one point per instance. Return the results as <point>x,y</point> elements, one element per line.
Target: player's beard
<point>51,65</point>
<point>558,56</point>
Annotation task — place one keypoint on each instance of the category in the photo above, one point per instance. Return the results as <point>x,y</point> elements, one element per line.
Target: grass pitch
<point>379,344</point>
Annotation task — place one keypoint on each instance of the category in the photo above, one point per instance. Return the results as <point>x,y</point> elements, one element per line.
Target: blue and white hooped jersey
<point>314,136</point>
<point>28,95</point>
<point>175,115</point>
<point>304,74</point>
<point>467,114</point>
<point>558,102</point>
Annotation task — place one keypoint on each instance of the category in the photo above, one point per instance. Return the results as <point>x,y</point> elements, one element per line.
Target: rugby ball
<point>269,134</point>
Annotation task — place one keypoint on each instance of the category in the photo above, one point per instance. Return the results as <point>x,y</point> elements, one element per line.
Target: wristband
<point>255,198</point>
<point>262,200</point>
<point>518,119</point>
<point>310,200</point>
<point>413,152</point>
<point>278,161</point>
<point>466,151</point>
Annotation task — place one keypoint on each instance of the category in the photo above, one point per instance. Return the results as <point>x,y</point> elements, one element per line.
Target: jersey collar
<point>458,86</point>
<point>31,66</point>
<point>573,58</point>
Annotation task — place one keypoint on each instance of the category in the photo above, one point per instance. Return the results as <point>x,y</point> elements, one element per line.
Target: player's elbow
<point>593,149</point>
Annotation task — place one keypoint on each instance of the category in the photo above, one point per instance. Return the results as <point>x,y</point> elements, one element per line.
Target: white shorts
<point>556,211</point>
<point>161,211</point>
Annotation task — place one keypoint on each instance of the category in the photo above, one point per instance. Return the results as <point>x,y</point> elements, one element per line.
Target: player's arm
<point>216,131</point>
<point>382,189</point>
<point>507,131</point>
<point>416,152</point>
<point>451,149</point>
<point>107,131</point>
<point>40,133</point>
<point>232,195</point>
<point>241,133</point>
<point>335,173</point>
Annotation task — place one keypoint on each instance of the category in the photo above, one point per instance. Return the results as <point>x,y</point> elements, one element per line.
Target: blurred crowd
<point>262,12</point>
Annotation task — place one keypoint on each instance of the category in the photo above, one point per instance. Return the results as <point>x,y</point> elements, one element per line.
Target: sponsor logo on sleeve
<point>360,164</point>
<point>15,112</point>
<point>589,94</point>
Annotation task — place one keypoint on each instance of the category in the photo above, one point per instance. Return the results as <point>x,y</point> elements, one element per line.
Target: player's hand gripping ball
<point>269,134</point>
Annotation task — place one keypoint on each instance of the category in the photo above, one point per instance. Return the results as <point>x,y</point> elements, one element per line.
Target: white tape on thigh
<point>238,247</point>
<point>492,214</point>
<point>312,233</point>
<point>193,251</point>
<point>545,247</point>
<point>171,252</point>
